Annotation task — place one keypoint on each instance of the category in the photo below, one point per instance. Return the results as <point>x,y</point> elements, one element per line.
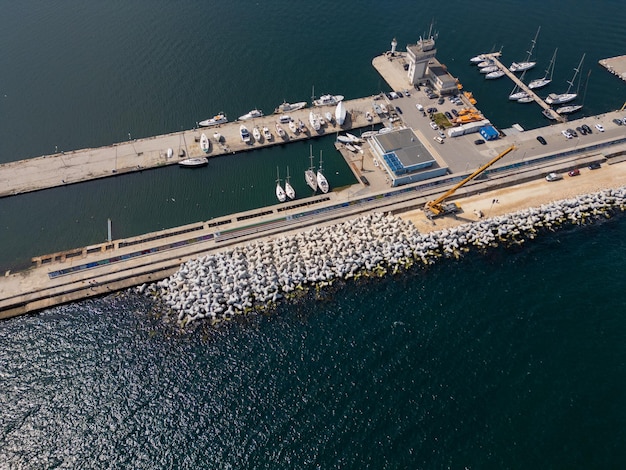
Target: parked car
<point>618,122</point>
<point>434,126</point>
<point>541,140</point>
<point>566,134</point>
<point>572,132</point>
<point>574,172</point>
<point>438,139</point>
<point>455,112</point>
<point>400,94</point>
<point>587,128</point>
<point>448,115</point>
<point>479,142</point>
<point>441,100</point>
<point>398,110</point>
<point>441,134</point>
<point>600,127</point>
<point>554,177</point>
<point>595,166</point>
<point>581,130</point>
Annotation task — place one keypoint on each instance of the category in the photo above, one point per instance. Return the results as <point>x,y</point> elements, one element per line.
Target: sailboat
<point>516,93</point>
<point>291,193</point>
<point>309,175</point>
<point>566,97</point>
<point>280,192</point>
<point>572,108</point>
<point>521,66</point>
<point>541,82</point>
<point>322,182</point>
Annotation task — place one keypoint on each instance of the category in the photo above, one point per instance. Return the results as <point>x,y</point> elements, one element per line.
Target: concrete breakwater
<point>257,275</point>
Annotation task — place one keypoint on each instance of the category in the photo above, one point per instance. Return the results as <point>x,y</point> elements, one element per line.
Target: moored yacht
<point>280,192</point>
<point>547,78</point>
<point>326,100</point>
<point>245,134</point>
<point>287,107</point>
<point>322,182</point>
<point>214,121</point>
<point>527,64</point>
<point>255,113</point>
<point>554,98</point>
<point>205,145</point>
<point>291,193</point>
<point>314,121</point>
<point>340,113</point>
<point>493,75</point>
<point>309,174</point>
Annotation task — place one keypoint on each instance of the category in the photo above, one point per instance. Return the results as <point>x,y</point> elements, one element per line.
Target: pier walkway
<point>522,86</point>
<point>77,166</point>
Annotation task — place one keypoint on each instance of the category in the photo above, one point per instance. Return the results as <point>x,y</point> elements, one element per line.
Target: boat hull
<point>194,162</point>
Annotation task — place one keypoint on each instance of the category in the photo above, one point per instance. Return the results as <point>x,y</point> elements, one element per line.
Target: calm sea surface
<point>504,359</point>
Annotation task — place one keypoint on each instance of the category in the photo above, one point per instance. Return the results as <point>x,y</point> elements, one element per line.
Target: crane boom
<point>436,207</point>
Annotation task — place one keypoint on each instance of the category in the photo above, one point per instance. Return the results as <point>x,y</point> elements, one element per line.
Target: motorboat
<point>205,144</point>
<point>280,192</point>
<point>280,131</point>
<point>554,98</point>
<point>344,139</point>
<point>218,137</point>
<point>329,117</point>
<point>170,153</point>
<point>255,113</point>
<point>291,193</point>
<point>267,134</point>
<point>194,162</point>
<point>256,133</point>
<point>327,100</point>
<point>340,113</point>
<point>350,147</point>
<point>377,109</point>
<point>486,63</point>
<point>368,134</point>
<point>493,75</point>
<point>477,59</point>
<point>315,121</point>
<point>368,116</point>
<point>245,134</point>
<point>526,99</point>
<point>322,182</point>
<point>286,107</point>
<point>383,108</point>
<point>353,138</point>
<point>527,64</point>
<point>292,127</point>
<point>301,126</point>
<point>214,121</point>
<point>489,69</point>
<point>547,78</point>
<point>309,174</point>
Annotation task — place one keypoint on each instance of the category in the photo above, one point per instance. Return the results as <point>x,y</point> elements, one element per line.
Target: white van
<point>438,139</point>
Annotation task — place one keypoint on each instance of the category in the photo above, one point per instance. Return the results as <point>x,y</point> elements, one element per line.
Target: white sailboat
<point>493,75</point>
<point>309,175</point>
<point>340,113</point>
<point>291,193</point>
<point>572,108</point>
<point>547,78</point>
<point>527,64</point>
<point>516,93</point>
<point>280,192</point>
<point>554,98</point>
<point>322,182</point>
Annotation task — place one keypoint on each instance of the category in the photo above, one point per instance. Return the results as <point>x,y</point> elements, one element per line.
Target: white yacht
<point>489,69</point>
<point>525,99</point>
<point>554,98</point>
<point>256,133</point>
<point>322,182</point>
<point>286,107</point>
<point>245,134</point>
<point>314,121</point>
<point>291,193</point>
<point>267,134</point>
<point>477,59</point>
<point>280,131</point>
<point>194,162</point>
<point>255,113</point>
<point>309,174</point>
<point>340,113</point>
<point>527,64</point>
<point>214,121</point>
<point>280,192</point>
<point>569,109</point>
<point>493,75</point>
<point>327,100</point>
<point>293,127</point>
<point>547,78</point>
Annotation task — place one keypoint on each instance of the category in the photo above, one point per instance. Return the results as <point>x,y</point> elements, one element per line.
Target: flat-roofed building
<point>404,157</point>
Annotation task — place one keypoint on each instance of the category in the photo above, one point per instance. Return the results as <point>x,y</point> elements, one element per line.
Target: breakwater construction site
<point>247,261</point>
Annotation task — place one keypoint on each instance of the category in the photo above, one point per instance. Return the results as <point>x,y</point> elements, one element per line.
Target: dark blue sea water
<point>512,358</point>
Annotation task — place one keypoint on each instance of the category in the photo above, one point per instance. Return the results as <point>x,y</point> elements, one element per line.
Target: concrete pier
<point>64,168</point>
<point>615,65</point>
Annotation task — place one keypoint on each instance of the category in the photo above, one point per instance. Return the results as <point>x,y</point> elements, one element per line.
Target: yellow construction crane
<point>623,106</point>
<point>438,207</point>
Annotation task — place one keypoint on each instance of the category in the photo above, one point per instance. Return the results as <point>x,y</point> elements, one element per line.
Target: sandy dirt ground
<point>531,194</point>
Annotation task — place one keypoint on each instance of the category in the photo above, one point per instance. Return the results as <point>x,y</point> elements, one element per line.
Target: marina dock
<point>77,166</point>
<point>615,65</point>
<point>522,86</point>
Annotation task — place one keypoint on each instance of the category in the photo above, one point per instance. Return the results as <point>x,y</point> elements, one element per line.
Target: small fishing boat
<point>205,144</point>
<point>292,127</point>
<point>245,134</point>
<point>267,134</point>
<point>256,133</point>
<point>280,131</point>
<point>368,116</point>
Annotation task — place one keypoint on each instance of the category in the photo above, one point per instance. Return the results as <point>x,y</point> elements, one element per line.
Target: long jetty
<point>524,87</point>
<point>77,166</point>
